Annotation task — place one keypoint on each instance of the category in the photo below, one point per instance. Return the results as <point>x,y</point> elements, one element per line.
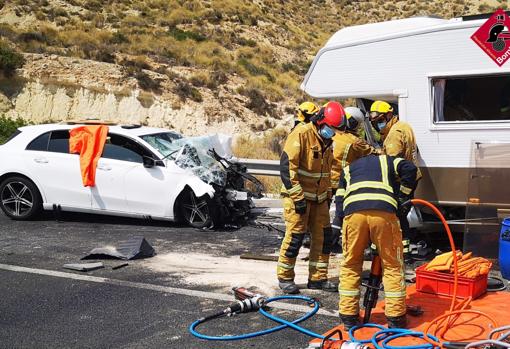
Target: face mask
<point>381,125</point>
<point>326,132</point>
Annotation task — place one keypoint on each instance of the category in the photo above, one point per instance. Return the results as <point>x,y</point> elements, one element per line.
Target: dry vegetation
<point>268,146</point>
<point>269,43</point>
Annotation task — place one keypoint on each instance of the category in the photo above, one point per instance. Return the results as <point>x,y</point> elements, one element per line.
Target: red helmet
<point>333,115</point>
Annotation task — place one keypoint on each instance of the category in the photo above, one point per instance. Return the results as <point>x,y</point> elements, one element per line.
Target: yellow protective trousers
<point>382,229</point>
<point>315,220</point>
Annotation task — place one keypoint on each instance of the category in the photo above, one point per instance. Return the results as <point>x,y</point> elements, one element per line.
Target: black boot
<point>288,286</point>
<point>397,321</point>
<point>349,321</point>
<point>324,285</point>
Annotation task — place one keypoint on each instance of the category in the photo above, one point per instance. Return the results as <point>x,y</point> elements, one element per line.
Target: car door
<point>58,171</point>
<point>150,190</point>
<point>122,182</point>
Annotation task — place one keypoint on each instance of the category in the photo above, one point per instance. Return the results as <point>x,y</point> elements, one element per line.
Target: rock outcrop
<point>54,88</point>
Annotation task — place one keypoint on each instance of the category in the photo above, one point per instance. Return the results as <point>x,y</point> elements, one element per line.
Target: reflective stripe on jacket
<point>374,183</point>
<point>305,165</point>
<point>347,148</point>
<point>399,141</point>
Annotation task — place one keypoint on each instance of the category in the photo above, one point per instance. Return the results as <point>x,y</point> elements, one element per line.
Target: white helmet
<point>357,115</point>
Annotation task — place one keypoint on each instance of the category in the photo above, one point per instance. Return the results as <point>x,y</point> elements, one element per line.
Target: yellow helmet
<point>381,107</point>
<point>306,110</point>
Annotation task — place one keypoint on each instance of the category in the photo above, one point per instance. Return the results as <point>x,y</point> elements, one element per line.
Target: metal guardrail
<point>262,167</point>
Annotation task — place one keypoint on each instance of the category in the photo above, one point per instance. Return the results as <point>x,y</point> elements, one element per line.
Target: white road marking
<point>152,287</point>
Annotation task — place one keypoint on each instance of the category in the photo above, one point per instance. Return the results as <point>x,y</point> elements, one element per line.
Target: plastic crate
<point>442,284</point>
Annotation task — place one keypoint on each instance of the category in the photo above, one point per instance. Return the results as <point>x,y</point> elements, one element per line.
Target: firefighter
<point>398,140</point>
<point>305,167</point>
<point>371,190</point>
<point>347,147</point>
<point>305,111</point>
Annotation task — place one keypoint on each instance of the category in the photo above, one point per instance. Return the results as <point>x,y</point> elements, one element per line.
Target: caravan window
<point>471,99</point>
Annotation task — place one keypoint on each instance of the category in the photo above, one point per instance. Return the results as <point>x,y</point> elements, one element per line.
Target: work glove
<point>300,206</point>
<point>337,229</point>
<point>404,205</point>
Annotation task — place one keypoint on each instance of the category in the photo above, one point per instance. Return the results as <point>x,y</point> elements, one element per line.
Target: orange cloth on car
<point>89,142</point>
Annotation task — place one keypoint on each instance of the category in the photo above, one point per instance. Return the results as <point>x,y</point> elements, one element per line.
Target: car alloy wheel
<point>17,199</point>
<point>195,210</point>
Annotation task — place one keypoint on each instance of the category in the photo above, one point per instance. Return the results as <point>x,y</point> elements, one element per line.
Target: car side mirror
<point>148,162</point>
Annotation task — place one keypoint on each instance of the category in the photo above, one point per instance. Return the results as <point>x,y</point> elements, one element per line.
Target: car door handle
<point>104,167</point>
<point>41,160</point>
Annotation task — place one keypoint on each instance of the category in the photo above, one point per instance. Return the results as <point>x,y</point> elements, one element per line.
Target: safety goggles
<point>375,115</point>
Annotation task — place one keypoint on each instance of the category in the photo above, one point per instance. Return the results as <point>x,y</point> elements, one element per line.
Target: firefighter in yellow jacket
<point>370,192</point>
<point>347,147</point>
<point>398,140</point>
<point>305,168</point>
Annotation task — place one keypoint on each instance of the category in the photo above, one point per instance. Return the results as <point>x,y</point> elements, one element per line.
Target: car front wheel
<point>20,198</point>
<point>195,210</point>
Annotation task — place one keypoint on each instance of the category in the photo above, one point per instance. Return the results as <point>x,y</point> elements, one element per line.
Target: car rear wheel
<point>20,198</point>
<point>195,211</point>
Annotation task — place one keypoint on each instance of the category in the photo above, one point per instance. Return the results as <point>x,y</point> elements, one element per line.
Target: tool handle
<point>455,345</point>
<point>242,293</point>
<point>373,286</point>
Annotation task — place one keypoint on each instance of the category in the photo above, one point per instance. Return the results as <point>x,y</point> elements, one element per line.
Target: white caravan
<point>456,98</point>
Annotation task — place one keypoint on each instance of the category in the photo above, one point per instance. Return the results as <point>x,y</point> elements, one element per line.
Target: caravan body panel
<point>397,61</point>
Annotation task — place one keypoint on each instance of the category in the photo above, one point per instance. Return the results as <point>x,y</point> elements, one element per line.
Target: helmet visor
<point>375,115</point>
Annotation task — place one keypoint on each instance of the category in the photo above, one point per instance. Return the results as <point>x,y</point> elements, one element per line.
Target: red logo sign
<point>493,37</point>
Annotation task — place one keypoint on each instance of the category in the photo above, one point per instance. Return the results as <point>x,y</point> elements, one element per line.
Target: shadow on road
<point>105,219</point>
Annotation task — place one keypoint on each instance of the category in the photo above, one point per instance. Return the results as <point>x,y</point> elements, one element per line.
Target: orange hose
<point>456,309</point>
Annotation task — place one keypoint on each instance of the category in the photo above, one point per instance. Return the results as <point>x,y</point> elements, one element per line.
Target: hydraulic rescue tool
<point>373,287</point>
<point>246,301</point>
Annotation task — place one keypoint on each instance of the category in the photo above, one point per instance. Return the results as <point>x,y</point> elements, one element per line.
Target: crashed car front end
<point>206,157</point>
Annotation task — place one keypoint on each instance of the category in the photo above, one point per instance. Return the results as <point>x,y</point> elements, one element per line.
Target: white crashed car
<point>143,172</point>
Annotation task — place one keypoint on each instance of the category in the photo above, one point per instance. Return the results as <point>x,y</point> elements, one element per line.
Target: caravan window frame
<point>463,125</point>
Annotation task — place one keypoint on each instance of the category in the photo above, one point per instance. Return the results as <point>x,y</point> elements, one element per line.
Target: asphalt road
<point>43,305</point>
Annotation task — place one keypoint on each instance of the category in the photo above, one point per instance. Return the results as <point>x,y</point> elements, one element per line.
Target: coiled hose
<point>284,323</point>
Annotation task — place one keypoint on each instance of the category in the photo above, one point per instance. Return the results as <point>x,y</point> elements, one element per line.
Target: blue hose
<point>408,334</point>
<point>284,323</point>
<point>364,341</point>
<point>381,338</point>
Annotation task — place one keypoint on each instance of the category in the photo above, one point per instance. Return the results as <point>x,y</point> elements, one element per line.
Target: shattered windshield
<point>162,141</point>
<point>191,154</point>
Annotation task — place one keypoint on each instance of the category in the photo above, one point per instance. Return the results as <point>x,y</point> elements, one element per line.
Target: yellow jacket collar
<point>388,127</point>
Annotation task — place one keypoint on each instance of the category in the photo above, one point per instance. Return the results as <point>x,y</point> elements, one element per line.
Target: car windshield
<point>162,141</point>
<point>191,154</point>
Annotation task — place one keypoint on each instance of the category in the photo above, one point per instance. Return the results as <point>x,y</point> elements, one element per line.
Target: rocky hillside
<point>195,66</point>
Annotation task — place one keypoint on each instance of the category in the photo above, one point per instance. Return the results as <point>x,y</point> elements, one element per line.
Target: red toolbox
<point>439,283</point>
